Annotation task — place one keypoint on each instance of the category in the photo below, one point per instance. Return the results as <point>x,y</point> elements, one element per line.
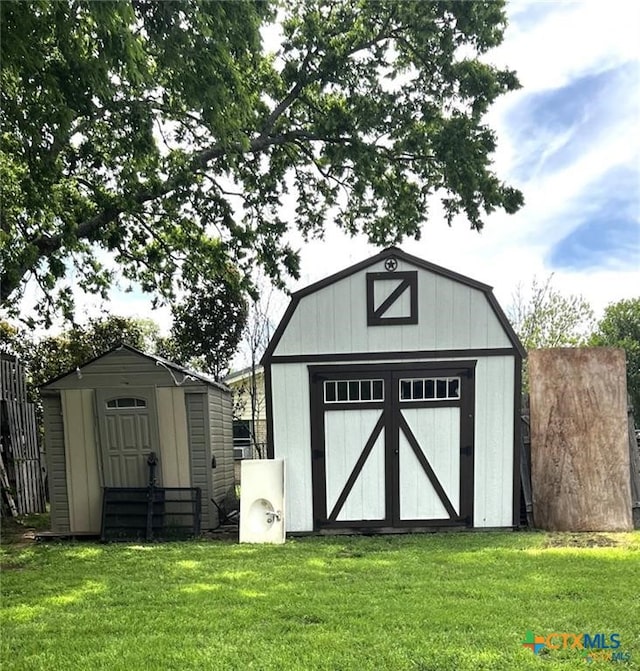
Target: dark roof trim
<point>152,357</point>
<point>506,324</point>
<point>408,258</point>
<point>417,356</point>
<point>390,251</point>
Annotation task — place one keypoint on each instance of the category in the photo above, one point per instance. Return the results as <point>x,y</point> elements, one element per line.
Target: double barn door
<point>392,445</point>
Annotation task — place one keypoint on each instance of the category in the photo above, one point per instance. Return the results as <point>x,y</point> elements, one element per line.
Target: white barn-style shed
<point>393,394</point>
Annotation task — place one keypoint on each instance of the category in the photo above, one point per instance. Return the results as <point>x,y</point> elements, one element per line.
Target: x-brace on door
<point>392,445</point>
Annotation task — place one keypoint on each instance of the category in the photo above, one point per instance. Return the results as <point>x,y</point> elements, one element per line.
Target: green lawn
<point>459,601</point>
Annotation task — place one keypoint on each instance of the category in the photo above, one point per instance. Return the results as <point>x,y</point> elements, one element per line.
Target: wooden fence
<point>21,474</point>
<point>526,497</point>
<point>634,458</point>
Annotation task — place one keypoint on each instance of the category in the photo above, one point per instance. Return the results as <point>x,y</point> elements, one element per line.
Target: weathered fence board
<point>6,488</point>
<point>579,440</point>
<point>634,458</point>
<point>22,481</point>
<point>525,464</point>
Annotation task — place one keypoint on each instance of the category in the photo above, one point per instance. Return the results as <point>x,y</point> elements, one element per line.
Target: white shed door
<point>352,437</point>
<point>392,446</point>
<point>429,454</point>
<point>128,433</point>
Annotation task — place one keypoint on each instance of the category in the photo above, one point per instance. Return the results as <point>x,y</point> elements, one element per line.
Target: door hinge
<point>466,450</point>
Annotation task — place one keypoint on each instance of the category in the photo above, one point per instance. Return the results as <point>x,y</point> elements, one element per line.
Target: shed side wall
<point>292,441</point>
<point>200,454</point>
<point>493,463</point>
<point>82,467</point>
<point>174,447</point>
<point>56,463</point>
<point>221,437</point>
<point>450,316</point>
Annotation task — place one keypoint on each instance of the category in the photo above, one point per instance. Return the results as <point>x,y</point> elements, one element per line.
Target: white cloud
<point>549,45</point>
<point>569,40</point>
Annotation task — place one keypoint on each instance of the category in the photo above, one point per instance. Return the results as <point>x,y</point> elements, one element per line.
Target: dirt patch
<point>580,540</point>
<point>17,536</point>
<point>15,539</point>
<point>229,533</point>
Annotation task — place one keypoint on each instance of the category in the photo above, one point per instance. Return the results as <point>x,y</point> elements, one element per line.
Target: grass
<point>448,601</point>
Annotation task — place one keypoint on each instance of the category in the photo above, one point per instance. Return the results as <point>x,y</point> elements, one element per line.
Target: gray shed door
<point>128,433</point>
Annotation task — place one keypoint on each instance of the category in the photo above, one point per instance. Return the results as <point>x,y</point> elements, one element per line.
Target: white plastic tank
<point>262,501</point>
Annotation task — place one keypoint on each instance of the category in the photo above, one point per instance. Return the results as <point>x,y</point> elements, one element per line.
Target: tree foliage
<point>46,358</point>
<point>153,137</point>
<point>544,317</point>
<point>620,327</point>
<point>51,356</point>
<point>207,326</point>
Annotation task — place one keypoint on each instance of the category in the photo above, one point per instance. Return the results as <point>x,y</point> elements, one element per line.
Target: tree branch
<point>46,246</point>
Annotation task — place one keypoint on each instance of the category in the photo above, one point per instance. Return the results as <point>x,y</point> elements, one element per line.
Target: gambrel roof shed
<point>393,394</point>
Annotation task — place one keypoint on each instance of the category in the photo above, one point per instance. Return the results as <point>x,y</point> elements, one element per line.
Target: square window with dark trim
<point>392,298</point>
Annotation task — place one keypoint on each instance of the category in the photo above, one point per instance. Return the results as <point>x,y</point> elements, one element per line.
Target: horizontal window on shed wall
<point>353,391</point>
<point>430,389</point>
<point>127,402</point>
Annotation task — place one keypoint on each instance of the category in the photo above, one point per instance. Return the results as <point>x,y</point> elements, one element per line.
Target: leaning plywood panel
<point>579,445</point>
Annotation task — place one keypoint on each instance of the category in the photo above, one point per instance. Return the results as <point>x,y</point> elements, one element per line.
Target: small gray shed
<point>103,419</point>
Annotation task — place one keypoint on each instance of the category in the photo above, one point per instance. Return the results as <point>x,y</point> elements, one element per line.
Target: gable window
<point>126,402</point>
<point>392,298</point>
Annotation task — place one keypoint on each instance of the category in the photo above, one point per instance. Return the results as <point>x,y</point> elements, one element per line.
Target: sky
<point>569,139</point>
